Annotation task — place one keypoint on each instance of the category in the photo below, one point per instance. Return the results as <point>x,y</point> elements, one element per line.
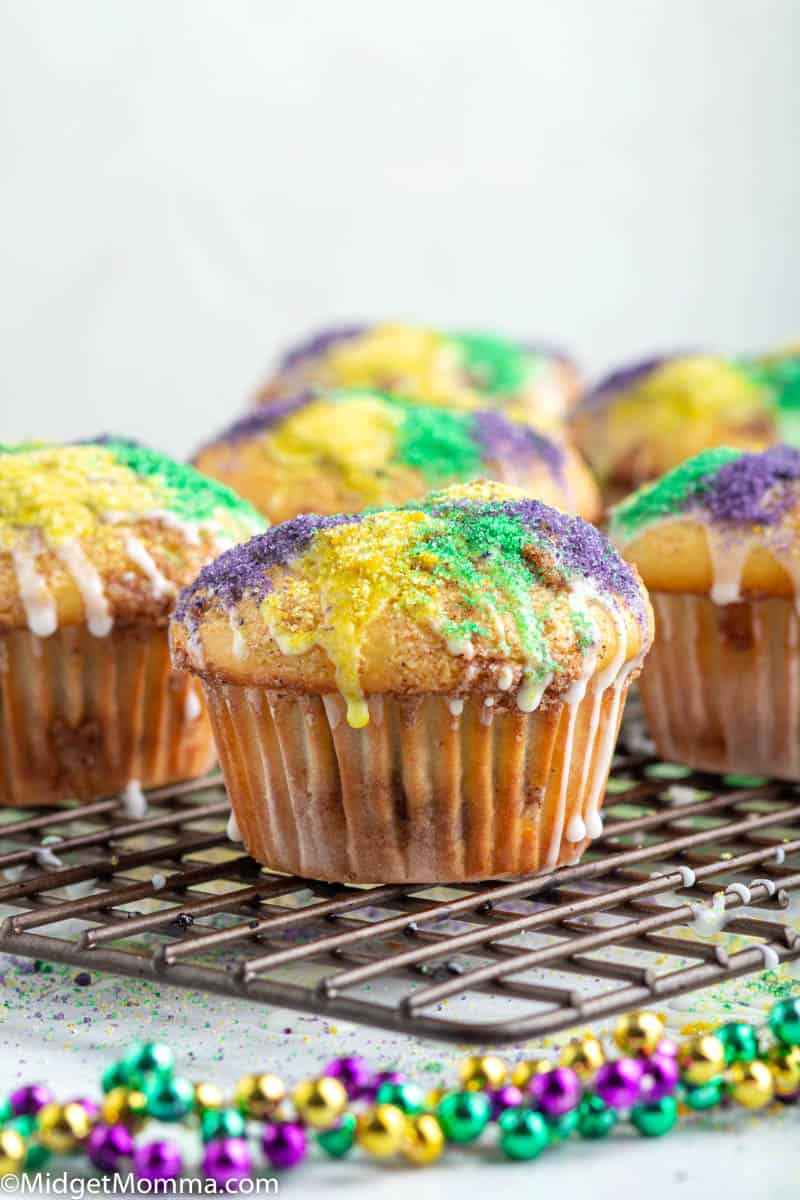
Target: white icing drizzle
<point>487,710</point>
<point>728,556</point>
<point>233,831</point>
<point>134,801</point>
<point>531,690</point>
<point>239,643</point>
<point>505,678</point>
<point>139,555</point>
<point>37,599</point>
<point>576,829</point>
<point>90,586</point>
<point>192,706</point>
<point>770,956</point>
<point>710,918</point>
<point>158,882</point>
<point>456,705</point>
<point>572,698</point>
<point>461,647</point>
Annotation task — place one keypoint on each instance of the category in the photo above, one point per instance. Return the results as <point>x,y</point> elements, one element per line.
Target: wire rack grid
<point>170,898</point>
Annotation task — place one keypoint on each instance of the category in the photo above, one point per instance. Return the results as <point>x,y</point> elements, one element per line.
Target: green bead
<point>339,1141</point>
<point>740,1041</point>
<point>169,1098</point>
<point>463,1116</point>
<point>24,1125</point>
<point>5,1111</point>
<point>564,1126</point>
<point>784,1021</point>
<point>119,1075</point>
<point>408,1097</point>
<point>656,1119</point>
<point>218,1123</point>
<point>707,1095</point>
<point>524,1133</point>
<point>595,1118</point>
<point>144,1057</point>
<point>36,1155</point>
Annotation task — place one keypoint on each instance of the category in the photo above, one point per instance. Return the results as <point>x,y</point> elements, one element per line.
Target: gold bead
<point>784,1066</point>
<point>207,1096</point>
<point>62,1128</point>
<point>584,1054</point>
<point>434,1096</point>
<point>701,1058</point>
<point>380,1130</point>
<point>12,1152</point>
<point>258,1096</point>
<point>639,1032</point>
<point>751,1083</point>
<point>483,1071</point>
<point>524,1071</point>
<point>423,1140</point>
<point>124,1106</point>
<point>320,1102</point>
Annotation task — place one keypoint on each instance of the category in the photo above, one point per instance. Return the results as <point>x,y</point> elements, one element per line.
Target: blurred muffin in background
<point>645,419</point>
<point>779,371</point>
<point>344,451</point>
<point>463,371</point>
<point>96,539</point>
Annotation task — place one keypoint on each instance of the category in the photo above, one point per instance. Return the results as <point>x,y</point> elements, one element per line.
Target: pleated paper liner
<point>423,793</point>
<point>721,686</point>
<point>82,716</point>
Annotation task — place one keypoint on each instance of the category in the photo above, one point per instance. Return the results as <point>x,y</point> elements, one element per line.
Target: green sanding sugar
<point>438,443</point>
<point>499,366</point>
<point>192,496</point>
<point>671,493</point>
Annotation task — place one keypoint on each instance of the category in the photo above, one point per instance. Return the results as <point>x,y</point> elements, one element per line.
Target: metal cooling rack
<point>169,898</point>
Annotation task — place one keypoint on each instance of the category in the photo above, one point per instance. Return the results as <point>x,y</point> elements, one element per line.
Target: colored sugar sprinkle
<point>320,343</point>
<point>512,442</point>
<point>438,443</point>
<point>497,366</point>
<point>259,422</point>
<point>728,485</point>
<point>66,492</point>
<point>244,568</point>
<point>623,378</point>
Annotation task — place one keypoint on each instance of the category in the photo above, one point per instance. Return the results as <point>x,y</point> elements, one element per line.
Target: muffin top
<point>725,523</point>
<point>779,371</point>
<point>105,531</point>
<point>356,449</point>
<point>474,588</point>
<point>644,420</point>
<point>428,366</point>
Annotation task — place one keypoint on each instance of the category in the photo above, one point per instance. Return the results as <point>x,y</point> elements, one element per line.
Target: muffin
<point>779,371</point>
<point>717,542</point>
<point>96,539</point>
<point>429,692</point>
<point>642,421</point>
<point>464,371</point>
<point>345,451</point>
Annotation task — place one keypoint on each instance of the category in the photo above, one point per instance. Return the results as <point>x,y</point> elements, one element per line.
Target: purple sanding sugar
<point>580,549</point>
<point>509,441</point>
<point>740,491</point>
<point>243,568</point>
<point>319,343</point>
<point>251,425</point>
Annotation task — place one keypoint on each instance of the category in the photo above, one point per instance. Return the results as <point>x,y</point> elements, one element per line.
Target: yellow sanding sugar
<point>410,361</point>
<point>64,492</point>
<point>355,570</point>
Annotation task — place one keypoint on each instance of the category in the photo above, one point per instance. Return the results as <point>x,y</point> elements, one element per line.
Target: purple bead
<point>107,1144</point>
<point>284,1143</point>
<point>378,1080</point>
<point>91,1109</point>
<point>668,1047</point>
<point>555,1092</point>
<point>660,1077</point>
<point>795,1096</point>
<point>157,1160</point>
<point>504,1098</point>
<point>353,1073</point>
<point>226,1161</point>
<point>26,1101</point>
<point>619,1083</point>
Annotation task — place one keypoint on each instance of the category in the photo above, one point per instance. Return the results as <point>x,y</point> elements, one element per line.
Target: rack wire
<point>170,898</point>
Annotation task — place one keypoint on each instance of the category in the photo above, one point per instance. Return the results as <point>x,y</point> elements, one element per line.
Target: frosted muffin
<point>96,539</point>
<point>423,693</point>
<point>779,372</point>
<point>345,451</point>
<point>427,366</point>
<point>717,542</point>
<point>642,421</point>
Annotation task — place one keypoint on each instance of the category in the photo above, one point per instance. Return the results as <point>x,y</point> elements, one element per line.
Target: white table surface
<point>52,1029</point>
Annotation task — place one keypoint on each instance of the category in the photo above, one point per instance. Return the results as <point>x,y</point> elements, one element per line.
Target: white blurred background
<point>186,186</point>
